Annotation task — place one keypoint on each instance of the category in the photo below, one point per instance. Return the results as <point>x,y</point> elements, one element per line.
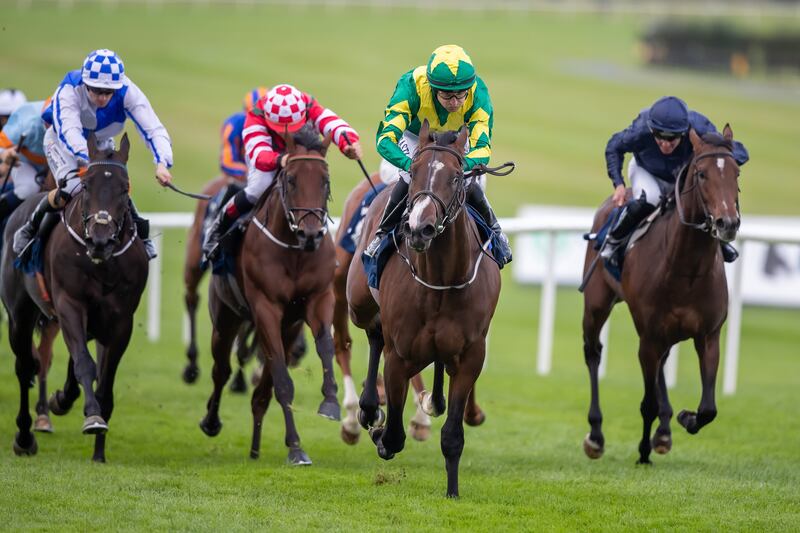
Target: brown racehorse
<point>285,272</point>
<point>433,305</point>
<point>673,281</point>
<point>95,270</point>
<point>193,272</point>
<point>420,424</point>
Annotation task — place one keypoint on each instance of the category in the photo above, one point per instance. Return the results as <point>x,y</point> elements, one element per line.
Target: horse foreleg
<point>108,358</point>
<point>45,351</point>
<point>390,439</point>
<point>708,351</point>
<point>649,360</point>
<point>370,415</point>
<point>243,354</point>
<point>662,438</point>
<point>262,394</point>
<point>461,383</point>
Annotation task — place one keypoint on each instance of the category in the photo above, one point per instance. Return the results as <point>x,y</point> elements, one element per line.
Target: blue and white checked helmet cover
<point>103,69</point>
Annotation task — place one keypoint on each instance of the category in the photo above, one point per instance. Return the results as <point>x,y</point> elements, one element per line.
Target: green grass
<point>524,469</point>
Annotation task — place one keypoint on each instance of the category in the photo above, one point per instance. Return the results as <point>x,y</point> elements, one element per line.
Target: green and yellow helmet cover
<point>450,69</point>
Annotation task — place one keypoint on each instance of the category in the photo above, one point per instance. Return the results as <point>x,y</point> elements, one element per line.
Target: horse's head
<point>104,201</point>
<point>305,187</point>
<point>438,189</point>
<point>714,174</point>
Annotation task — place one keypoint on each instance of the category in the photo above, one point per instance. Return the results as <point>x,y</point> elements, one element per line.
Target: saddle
<point>353,232</point>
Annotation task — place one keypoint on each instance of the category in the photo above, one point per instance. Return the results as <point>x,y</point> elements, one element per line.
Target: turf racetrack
<point>561,85</point>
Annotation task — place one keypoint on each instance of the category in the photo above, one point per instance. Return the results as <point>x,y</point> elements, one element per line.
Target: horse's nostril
<point>428,232</point>
<point>301,234</point>
<point>320,234</point>
<point>407,228</point>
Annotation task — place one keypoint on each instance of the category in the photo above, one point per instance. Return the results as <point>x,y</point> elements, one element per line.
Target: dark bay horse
<point>284,272</point>
<point>95,269</point>
<point>434,303</point>
<point>673,281</point>
<point>419,427</point>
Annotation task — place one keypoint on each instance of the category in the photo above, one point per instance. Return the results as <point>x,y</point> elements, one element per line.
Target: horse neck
<point>689,250</point>
<point>451,256</point>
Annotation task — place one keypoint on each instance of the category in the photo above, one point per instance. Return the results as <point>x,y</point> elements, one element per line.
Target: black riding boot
<point>40,224</point>
<point>633,213</point>
<point>477,199</point>
<point>143,230</point>
<point>228,215</point>
<point>729,253</point>
<point>392,214</point>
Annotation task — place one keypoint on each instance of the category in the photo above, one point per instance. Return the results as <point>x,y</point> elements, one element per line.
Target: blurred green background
<point>561,84</point>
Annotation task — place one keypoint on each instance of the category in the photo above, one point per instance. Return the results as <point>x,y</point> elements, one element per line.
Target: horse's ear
<point>727,132</point>
<point>326,143</point>
<point>424,133</point>
<point>461,140</point>
<point>289,138</point>
<point>695,139</point>
<point>91,144</point>
<point>124,148</point>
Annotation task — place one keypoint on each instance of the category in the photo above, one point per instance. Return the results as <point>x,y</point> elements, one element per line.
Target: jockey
<point>283,109</point>
<point>231,157</point>
<point>449,95</point>
<point>657,139</point>
<point>10,100</point>
<point>95,99</point>
<point>27,162</point>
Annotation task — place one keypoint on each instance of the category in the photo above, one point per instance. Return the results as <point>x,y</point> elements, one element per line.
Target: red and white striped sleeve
<point>257,141</point>
<point>327,121</point>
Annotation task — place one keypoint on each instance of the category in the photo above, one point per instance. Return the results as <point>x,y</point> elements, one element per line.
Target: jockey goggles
<point>666,135</point>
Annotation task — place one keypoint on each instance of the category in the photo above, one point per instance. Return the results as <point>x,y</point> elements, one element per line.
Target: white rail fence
<point>551,226</point>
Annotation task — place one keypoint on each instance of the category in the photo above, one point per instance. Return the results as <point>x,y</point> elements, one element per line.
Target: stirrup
<point>150,249</point>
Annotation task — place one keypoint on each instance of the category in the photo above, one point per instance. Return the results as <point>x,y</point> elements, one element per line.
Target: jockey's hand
<point>353,151</point>
<point>10,157</point>
<point>619,196</point>
<point>162,174</point>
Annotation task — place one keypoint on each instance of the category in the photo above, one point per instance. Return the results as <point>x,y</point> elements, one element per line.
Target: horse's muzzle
<point>310,241</point>
<point>420,238</point>
<point>725,228</point>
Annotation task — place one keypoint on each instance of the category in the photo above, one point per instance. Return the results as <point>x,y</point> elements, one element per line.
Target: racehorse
<point>433,305</point>
<point>94,272</point>
<point>673,281</point>
<point>193,271</point>
<point>284,271</point>
<point>420,424</point>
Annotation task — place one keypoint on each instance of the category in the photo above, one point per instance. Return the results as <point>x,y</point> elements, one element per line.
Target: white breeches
<point>644,182</point>
<point>62,162</point>
<point>257,183</point>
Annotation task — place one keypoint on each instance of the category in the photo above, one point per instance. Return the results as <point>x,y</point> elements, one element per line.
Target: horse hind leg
<point>43,423</point>
<point>262,394</point>
<point>243,354</point>
<point>21,339</point>
<point>221,342</point>
<point>598,302</point>
<point>192,371</point>
<point>662,438</point>
<point>473,414</point>
<point>419,427</point>
<point>708,351</point>
<point>342,344</point>
<point>61,401</point>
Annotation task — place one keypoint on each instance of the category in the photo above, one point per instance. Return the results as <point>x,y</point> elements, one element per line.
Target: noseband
<point>708,223</point>
<point>321,213</point>
<point>445,213</point>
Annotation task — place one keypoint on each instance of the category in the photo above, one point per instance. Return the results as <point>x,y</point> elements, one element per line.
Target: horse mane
<point>716,139</point>
<point>308,136</point>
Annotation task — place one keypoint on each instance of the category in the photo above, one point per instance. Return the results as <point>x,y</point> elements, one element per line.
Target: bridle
<point>708,223</point>
<point>102,217</point>
<point>445,213</point>
<point>292,220</point>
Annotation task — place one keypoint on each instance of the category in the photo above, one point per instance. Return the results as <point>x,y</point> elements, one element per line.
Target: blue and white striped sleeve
<point>154,134</point>
<point>67,121</point>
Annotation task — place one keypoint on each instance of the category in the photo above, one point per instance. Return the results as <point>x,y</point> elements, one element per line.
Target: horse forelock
<point>444,138</point>
<point>308,137</point>
<point>716,139</point>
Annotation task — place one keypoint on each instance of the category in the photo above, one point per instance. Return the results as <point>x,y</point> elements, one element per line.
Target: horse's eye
<point>701,174</point>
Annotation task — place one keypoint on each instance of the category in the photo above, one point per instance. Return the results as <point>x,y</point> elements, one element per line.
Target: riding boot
<point>228,215</point>
<point>392,214</point>
<point>477,199</point>
<point>729,253</point>
<point>633,213</point>
<point>143,229</point>
<point>34,227</point>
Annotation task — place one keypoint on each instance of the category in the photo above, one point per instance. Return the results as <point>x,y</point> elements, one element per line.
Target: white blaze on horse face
<point>721,165</point>
<point>415,217</point>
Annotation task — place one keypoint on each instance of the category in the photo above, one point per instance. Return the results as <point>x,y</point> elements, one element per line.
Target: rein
<point>707,223</point>
<point>289,212</point>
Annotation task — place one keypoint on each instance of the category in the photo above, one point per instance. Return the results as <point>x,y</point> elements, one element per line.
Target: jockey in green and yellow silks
<point>449,94</point>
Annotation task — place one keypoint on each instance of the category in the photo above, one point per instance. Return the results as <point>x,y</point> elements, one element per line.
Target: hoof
<point>382,452</point>
<point>661,444</point>
<point>55,406</point>
<point>298,457</point>
<point>592,449</point>
<point>20,450</point>
<point>43,424</point>
<point>350,438</point>
<point>100,459</point>
<point>475,420</point>
<point>254,454</point>
<point>688,420</point>
<point>380,418</point>
<point>647,462</point>
<point>190,373</point>
<point>94,425</point>
<point>330,409</point>
<point>238,384</point>
<point>419,432</point>
<point>211,429</point>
